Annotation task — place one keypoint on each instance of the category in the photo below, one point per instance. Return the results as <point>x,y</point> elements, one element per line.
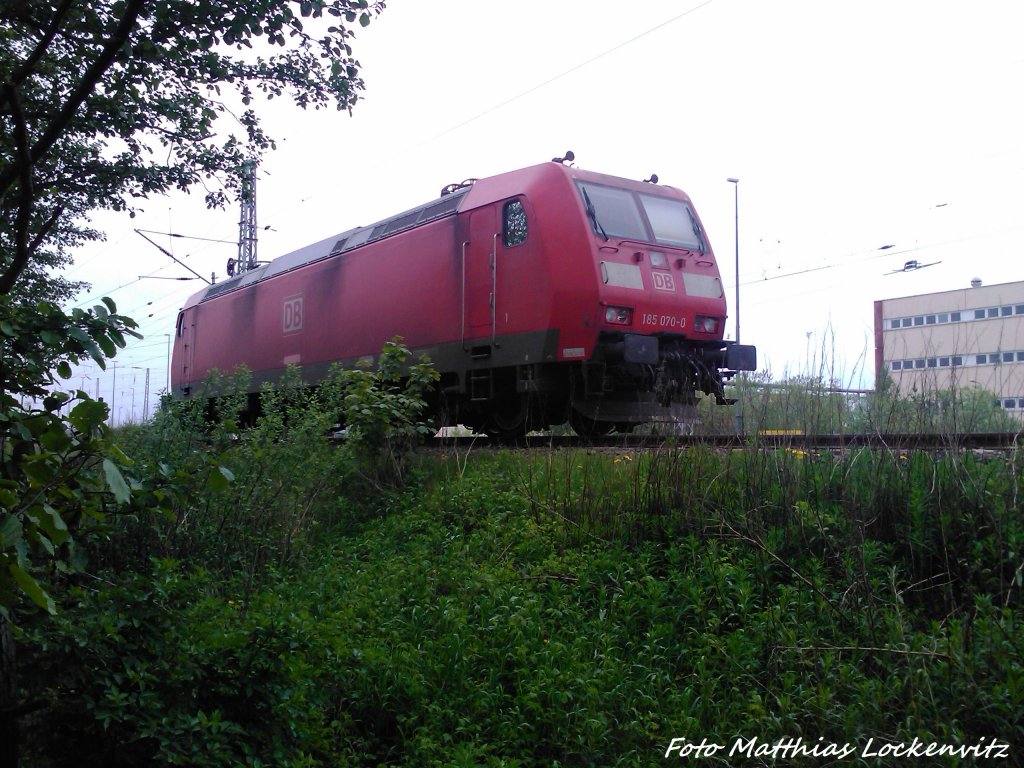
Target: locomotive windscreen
<point>635,216</point>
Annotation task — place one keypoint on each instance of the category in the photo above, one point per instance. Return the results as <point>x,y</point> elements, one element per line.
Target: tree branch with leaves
<point>95,87</point>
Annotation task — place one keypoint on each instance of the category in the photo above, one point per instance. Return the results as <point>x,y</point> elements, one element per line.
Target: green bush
<point>570,608</point>
<point>240,498</point>
<point>163,669</point>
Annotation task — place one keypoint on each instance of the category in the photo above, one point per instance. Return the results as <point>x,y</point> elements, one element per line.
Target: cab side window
<point>514,227</point>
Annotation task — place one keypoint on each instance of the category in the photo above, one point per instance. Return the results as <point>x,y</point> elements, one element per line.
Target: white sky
<point>851,125</point>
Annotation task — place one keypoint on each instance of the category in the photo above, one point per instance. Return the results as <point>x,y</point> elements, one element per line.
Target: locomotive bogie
<point>540,295</point>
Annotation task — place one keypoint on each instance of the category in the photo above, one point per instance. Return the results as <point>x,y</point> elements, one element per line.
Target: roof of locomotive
<point>512,183</point>
<point>335,244</point>
<point>457,198</point>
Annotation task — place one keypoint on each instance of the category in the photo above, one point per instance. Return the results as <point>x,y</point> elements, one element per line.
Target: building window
<point>919,320</point>
<point>919,363</point>
<point>958,360</point>
<point>1019,309</point>
<point>515,224</point>
<point>980,359</point>
<point>954,317</point>
<point>907,322</point>
<point>944,317</point>
<point>1007,357</point>
<point>1020,357</point>
<point>1005,311</point>
<point>896,365</point>
<point>930,320</point>
<point>979,314</point>
<point>1010,404</point>
<point>944,362</point>
<point>993,312</point>
<point>932,362</point>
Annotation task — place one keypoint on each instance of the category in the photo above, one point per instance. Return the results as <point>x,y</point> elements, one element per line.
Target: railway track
<point>892,441</point>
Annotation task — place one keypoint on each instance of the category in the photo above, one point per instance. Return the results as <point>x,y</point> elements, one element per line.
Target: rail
<point>1000,441</point>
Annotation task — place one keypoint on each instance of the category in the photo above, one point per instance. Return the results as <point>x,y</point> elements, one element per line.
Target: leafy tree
<point>107,101</point>
<point>104,103</point>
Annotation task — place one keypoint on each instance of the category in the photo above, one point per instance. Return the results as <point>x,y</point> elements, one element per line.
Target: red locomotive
<point>541,295</point>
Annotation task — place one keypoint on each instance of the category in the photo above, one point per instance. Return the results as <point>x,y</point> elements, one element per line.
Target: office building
<point>969,337</point>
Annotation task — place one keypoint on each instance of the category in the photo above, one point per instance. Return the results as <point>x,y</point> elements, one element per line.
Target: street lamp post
<point>738,415</point>
<point>736,207</point>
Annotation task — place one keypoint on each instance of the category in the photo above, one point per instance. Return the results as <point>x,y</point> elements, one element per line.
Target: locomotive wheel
<point>584,426</point>
<point>509,418</point>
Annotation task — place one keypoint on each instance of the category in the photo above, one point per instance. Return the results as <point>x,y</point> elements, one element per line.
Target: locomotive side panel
<point>345,307</point>
<point>341,308</point>
<point>401,286</point>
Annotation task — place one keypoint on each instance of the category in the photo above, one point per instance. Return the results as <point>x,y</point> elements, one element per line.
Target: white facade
<point>970,337</point>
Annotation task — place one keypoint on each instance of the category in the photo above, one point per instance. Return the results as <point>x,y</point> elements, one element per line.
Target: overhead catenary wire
<point>874,256</point>
<point>520,95</point>
<point>563,73</point>
<point>188,237</point>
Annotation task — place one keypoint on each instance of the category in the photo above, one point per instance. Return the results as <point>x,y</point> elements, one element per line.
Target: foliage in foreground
<point>570,609</point>
<point>237,499</point>
<point>89,90</point>
<point>57,475</point>
<point>235,503</point>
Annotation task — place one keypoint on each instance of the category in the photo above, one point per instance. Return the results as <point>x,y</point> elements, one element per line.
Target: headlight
<point>706,324</point>
<point>618,316</point>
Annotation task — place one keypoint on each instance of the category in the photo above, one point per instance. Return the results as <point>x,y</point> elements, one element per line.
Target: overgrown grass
<point>826,398</point>
<point>571,608</point>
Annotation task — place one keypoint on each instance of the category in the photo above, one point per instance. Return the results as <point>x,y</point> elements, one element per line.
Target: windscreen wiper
<point>696,230</point>
<point>592,213</point>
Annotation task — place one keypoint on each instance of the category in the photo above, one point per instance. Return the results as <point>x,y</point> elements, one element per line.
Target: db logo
<point>663,282</point>
<point>291,318</point>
